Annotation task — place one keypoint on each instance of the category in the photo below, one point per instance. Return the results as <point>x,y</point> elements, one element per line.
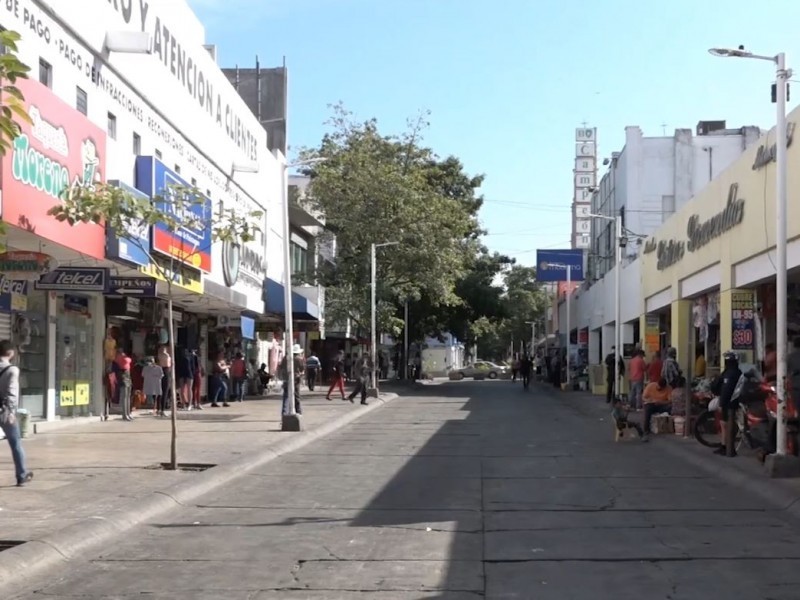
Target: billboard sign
<point>551,265</point>
<point>190,243</point>
<point>134,245</point>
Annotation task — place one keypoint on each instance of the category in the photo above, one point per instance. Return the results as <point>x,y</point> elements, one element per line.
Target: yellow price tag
<point>81,393</point>
<point>67,395</point>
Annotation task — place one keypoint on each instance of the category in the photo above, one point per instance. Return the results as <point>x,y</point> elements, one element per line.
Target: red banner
<point>60,148</point>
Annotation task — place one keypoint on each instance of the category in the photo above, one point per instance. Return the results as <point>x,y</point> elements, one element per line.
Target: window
<point>177,168</point>
<point>158,154</point>
<point>112,126</point>
<point>299,259</point>
<point>137,144</point>
<point>45,73</point>
<point>81,100</point>
<point>194,182</point>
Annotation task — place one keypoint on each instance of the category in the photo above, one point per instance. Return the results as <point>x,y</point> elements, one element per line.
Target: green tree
<point>119,210</point>
<point>13,103</point>
<point>376,188</point>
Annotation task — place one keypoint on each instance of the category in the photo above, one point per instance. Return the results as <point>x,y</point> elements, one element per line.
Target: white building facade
<point>652,177</point>
<point>142,121</point>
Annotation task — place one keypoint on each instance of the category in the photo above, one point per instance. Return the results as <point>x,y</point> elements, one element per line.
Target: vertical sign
<point>652,334</point>
<point>743,319</point>
<point>584,181</point>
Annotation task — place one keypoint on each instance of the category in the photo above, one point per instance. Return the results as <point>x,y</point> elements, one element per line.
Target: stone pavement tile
<point>243,542</point>
<point>373,595</point>
<point>584,466</point>
<point>672,580</point>
<point>294,465</point>
<point>86,470</point>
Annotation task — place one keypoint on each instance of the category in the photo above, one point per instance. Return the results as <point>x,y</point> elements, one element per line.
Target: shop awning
<point>248,325</point>
<point>302,308</point>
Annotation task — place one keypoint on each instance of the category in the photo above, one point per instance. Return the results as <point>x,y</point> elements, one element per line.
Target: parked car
<point>483,368</point>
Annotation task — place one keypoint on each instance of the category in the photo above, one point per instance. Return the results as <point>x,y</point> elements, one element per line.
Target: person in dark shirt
<point>525,366</point>
<point>725,386</point>
<point>611,374</point>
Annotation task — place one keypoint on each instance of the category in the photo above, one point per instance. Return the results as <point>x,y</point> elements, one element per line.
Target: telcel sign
<point>551,265</point>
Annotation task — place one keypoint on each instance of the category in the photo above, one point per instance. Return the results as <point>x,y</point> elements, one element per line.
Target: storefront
<point>711,265</point>
<point>55,317</point>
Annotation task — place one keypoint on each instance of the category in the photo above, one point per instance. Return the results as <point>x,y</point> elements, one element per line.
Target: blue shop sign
<point>75,279</point>
<point>134,245</point>
<point>10,288</point>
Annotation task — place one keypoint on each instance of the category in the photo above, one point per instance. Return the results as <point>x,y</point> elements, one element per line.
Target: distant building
<point>652,177</point>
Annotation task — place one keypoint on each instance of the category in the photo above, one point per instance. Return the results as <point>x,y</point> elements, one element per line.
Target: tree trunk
<point>173,446</point>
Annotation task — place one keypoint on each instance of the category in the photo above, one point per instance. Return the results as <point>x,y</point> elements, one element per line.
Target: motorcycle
<point>755,402</point>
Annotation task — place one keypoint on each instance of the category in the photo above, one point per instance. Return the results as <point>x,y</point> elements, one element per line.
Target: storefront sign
<point>75,279</point>
<point>142,287</point>
<point>743,319</point>
<point>12,292</point>
<point>59,148</point>
<point>181,277</point>
<point>552,265</point>
<point>652,334</point>
<point>26,265</point>
<point>699,233</point>
<point>134,245</point>
<point>191,243</point>
<point>231,260</point>
<point>767,154</point>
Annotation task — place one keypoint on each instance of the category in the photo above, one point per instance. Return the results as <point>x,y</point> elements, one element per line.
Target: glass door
<point>74,356</point>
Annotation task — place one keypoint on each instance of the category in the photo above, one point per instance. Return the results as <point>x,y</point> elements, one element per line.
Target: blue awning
<point>302,308</point>
<point>248,325</point>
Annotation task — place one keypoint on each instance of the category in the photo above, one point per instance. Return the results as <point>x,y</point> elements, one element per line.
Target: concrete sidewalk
<point>744,471</point>
<point>102,472</point>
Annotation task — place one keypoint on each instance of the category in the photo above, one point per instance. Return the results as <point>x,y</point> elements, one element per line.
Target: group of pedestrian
<point>309,368</point>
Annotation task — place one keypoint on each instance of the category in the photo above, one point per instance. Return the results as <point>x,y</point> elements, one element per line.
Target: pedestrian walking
<point>165,362</point>
<point>185,378</point>
<point>363,368</point>
<point>299,367</point>
<point>9,403</point>
<point>612,364</point>
<point>338,376</point>
<point>238,377</point>
<point>525,367</point>
<point>123,363</point>
<point>312,368</point>
<point>152,375</point>
<point>219,378</point>
<point>197,382</point>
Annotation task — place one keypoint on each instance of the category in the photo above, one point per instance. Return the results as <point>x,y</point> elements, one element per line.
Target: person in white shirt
<point>9,403</point>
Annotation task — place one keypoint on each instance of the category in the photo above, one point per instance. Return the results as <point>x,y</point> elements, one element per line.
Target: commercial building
<point>653,177</point>
<point>705,279</point>
<point>104,109</point>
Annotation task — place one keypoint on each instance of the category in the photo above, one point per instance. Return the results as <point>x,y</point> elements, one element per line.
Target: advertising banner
<point>743,319</point>
<point>135,244</point>
<point>59,148</point>
<point>551,265</point>
<point>190,243</point>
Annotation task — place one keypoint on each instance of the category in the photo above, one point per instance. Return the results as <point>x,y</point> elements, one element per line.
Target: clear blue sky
<point>508,81</point>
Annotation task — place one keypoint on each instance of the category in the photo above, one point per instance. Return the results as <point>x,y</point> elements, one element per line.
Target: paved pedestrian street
<point>463,490</point>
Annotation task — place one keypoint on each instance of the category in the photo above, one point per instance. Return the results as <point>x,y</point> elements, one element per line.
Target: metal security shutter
<point>5,326</point>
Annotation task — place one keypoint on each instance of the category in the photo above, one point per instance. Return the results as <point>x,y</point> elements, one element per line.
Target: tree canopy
<point>376,188</point>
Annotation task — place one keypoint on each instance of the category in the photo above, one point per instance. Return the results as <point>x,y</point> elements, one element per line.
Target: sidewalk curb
<point>24,563</point>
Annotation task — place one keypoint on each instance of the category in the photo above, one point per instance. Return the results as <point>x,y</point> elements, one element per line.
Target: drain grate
<point>187,467</point>
<point>8,544</point>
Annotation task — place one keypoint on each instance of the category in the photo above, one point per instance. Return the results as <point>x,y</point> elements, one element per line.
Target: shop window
<point>112,126</point>
<point>81,100</point>
<point>45,73</point>
<point>29,334</point>
<point>75,352</point>
<point>137,144</point>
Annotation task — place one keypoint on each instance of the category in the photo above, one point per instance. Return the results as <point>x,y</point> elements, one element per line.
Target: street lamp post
<point>620,244</point>
<point>782,76</point>
<point>373,310</point>
<point>290,420</point>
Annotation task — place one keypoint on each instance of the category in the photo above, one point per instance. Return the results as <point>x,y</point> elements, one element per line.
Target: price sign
<point>81,393</point>
<point>66,396</point>
<point>743,319</point>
